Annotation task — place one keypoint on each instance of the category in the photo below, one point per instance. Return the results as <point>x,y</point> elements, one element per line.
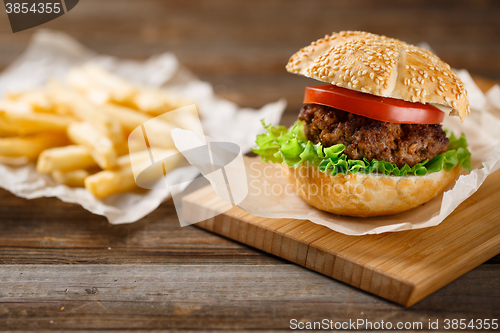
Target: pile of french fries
<point>76,130</point>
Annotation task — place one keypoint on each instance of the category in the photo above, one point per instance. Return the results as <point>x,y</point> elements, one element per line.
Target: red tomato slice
<point>375,107</point>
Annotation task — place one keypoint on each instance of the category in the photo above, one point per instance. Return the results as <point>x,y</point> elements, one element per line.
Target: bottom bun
<point>366,195</point>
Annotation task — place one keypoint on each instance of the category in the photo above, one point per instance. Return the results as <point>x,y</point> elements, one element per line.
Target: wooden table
<point>64,268</point>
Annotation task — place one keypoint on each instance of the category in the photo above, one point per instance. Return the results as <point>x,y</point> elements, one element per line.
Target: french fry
<point>65,158</point>
<point>117,89</point>
<point>127,117</point>
<point>158,131</point>
<point>14,161</point>
<point>82,82</point>
<point>185,118</point>
<point>122,148</point>
<point>132,145</point>
<point>108,182</point>
<point>74,178</point>
<point>85,110</point>
<point>6,131</point>
<point>77,129</point>
<point>158,101</point>
<point>100,147</point>
<point>31,145</point>
<point>15,106</point>
<point>102,87</point>
<point>36,98</point>
<point>28,123</point>
<point>143,158</point>
<point>140,157</point>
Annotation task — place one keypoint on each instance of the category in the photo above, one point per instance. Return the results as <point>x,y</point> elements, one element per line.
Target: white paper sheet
<point>51,54</point>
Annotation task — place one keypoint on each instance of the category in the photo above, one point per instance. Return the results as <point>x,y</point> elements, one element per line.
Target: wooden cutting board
<point>402,267</point>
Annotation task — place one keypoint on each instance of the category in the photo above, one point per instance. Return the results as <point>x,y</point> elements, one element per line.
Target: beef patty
<point>372,139</point>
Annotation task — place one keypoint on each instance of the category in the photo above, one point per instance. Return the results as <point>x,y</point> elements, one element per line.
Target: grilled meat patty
<point>372,139</point>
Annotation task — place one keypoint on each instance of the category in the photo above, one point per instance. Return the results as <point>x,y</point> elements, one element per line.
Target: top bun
<point>382,66</point>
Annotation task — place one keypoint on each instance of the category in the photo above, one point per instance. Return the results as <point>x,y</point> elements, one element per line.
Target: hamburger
<point>369,140</point>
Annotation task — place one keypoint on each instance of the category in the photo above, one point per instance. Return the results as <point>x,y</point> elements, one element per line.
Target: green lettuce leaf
<point>290,146</point>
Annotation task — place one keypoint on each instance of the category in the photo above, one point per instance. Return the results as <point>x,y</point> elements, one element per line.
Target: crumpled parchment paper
<point>52,54</point>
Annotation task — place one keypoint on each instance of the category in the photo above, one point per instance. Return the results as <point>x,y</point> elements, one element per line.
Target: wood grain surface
<point>403,267</point>
<point>63,268</point>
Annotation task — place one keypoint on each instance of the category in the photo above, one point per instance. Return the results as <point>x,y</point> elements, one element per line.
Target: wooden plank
<point>403,267</point>
<point>49,231</point>
<point>194,297</point>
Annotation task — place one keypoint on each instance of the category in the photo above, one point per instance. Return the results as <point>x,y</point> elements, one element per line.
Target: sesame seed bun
<point>382,66</point>
<point>364,195</point>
